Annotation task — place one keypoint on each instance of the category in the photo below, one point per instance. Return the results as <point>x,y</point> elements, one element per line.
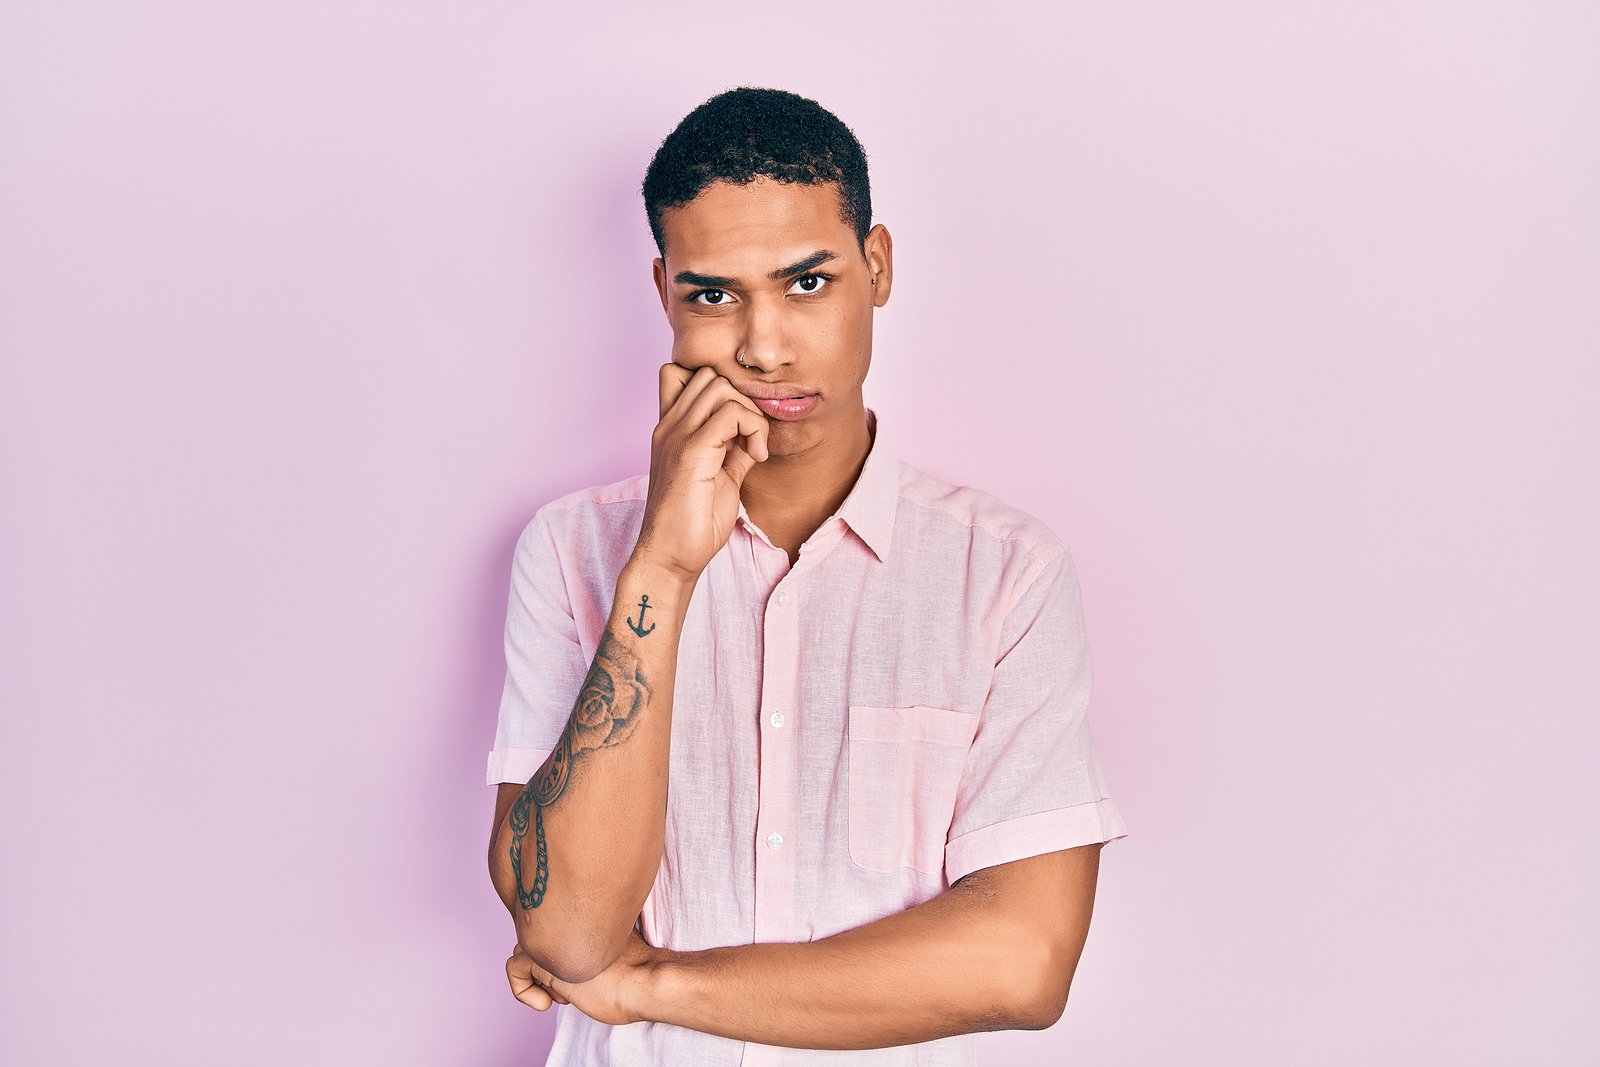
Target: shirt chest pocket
<point>905,768</point>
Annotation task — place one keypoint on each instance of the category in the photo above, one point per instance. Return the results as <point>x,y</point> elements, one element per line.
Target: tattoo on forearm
<point>607,711</point>
<point>638,627</point>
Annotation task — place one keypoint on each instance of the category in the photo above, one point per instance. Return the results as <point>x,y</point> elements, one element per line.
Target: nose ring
<point>740,359</point>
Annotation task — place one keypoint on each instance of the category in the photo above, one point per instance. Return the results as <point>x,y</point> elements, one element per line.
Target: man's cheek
<point>696,345</point>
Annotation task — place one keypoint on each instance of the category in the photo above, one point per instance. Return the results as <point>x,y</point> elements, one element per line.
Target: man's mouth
<point>779,401</point>
<point>787,408</point>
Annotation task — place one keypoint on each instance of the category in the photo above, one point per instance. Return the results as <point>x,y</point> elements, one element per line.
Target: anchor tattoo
<point>644,606</point>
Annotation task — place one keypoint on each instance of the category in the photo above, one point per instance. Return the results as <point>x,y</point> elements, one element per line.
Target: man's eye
<point>710,296</point>
<point>808,283</point>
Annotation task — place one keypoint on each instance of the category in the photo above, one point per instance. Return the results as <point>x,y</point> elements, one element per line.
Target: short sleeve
<point>545,663</point>
<point>1032,782</point>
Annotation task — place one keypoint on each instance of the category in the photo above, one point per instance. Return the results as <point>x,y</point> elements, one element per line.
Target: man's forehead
<point>754,229</point>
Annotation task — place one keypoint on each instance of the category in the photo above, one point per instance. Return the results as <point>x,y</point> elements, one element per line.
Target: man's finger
<point>534,996</point>
<point>718,391</point>
<point>698,382</point>
<point>525,986</point>
<point>756,442</point>
<point>733,420</point>
<point>754,432</point>
<point>738,461</point>
<point>673,379</point>
<point>520,973</point>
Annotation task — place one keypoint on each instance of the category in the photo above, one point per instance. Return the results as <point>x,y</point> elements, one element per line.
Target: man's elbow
<point>1038,992</point>
<point>1040,1006</point>
<point>573,959</point>
<point>573,968</point>
<point>571,955</point>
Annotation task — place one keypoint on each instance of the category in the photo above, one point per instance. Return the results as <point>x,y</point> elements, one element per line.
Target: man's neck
<point>788,497</point>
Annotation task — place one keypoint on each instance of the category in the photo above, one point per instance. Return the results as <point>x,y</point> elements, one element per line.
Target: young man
<point>828,781</point>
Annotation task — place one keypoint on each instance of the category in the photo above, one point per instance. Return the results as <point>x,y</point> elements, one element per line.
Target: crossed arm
<point>995,952</point>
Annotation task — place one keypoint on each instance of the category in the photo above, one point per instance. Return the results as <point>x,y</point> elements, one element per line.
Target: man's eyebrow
<point>805,266</point>
<point>709,281</point>
<point>717,281</point>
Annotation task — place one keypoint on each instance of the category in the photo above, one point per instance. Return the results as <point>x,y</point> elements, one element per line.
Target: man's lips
<point>787,408</point>
<point>781,402</point>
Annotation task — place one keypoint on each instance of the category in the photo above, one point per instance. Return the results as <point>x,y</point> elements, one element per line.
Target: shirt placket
<point>777,834</point>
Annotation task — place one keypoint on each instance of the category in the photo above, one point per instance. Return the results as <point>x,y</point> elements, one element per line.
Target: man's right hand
<point>709,437</point>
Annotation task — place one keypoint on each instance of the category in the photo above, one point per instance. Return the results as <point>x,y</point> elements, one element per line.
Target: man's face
<point>771,271</point>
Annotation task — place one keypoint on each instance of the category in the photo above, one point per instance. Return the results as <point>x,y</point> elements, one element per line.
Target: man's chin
<point>791,440</point>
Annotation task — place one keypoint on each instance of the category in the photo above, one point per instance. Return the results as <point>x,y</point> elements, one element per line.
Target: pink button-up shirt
<point>850,735</point>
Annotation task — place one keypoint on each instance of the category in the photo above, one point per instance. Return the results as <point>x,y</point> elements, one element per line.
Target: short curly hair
<point>747,133</point>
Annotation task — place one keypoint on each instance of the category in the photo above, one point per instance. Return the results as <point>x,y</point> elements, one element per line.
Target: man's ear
<point>879,250</point>
<point>659,270</point>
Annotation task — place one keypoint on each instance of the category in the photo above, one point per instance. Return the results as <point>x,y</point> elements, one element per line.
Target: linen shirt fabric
<point>904,705</point>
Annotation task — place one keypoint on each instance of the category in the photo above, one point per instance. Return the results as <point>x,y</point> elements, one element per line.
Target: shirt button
<point>777,718</point>
<point>783,598</point>
<point>774,840</point>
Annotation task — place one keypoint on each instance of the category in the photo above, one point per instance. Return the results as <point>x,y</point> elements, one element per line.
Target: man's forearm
<point>996,952</point>
<point>577,852</point>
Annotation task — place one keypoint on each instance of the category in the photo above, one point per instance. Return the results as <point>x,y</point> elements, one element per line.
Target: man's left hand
<point>615,996</point>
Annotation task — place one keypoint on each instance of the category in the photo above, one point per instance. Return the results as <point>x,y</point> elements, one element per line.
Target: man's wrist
<point>661,986</point>
<point>670,584</point>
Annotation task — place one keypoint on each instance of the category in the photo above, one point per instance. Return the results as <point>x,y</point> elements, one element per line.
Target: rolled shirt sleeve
<point>545,663</point>
<point>1032,782</point>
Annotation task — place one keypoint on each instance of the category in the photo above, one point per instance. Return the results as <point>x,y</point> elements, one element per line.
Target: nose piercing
<point>740,359</point>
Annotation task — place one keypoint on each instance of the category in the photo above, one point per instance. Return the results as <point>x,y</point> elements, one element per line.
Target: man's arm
<point>995,952</point>
<point>575,853</point>
<point>573,856</point>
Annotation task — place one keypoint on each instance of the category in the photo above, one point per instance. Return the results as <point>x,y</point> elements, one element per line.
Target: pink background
<point>1286,316</point>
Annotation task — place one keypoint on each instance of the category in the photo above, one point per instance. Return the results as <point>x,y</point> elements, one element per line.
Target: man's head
<point>770,266</point>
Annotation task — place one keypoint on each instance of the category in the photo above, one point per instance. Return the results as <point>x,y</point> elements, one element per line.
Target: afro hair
<point>745,134</point>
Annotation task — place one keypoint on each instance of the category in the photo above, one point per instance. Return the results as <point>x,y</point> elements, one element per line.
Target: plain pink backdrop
<point>1287,317</point>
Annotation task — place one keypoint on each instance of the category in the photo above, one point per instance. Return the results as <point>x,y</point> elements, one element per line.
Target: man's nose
<point>764,347</point>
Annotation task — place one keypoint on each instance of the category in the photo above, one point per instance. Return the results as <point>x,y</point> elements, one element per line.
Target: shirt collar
<point>870,508</point>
